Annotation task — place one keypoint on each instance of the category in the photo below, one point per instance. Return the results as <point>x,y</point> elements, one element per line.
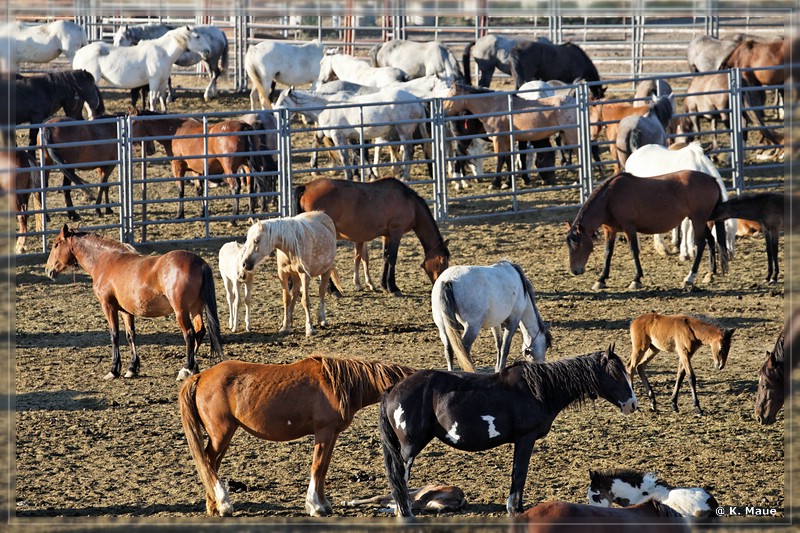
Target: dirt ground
<point>92,448</point>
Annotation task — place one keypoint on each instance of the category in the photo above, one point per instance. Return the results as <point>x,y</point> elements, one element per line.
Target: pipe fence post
<point>584,141</point>
<point>125,155</point>
<point>737,129</point>
<point>438,153</point>
<point>285,205</point>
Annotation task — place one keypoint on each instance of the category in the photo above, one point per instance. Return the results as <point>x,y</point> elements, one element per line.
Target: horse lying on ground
<point>432,498</point>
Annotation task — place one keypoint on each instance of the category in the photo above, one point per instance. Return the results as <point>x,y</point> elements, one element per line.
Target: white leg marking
<point>223,503</point>
<point>313,505</point>
<point>492,430</point>
<point>452,435</point>
<point>398,414</point>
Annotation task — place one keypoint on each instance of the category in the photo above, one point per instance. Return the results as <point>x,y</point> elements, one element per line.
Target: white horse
<point>271,61</point>
<point>348,68</point>
<point>653,160</point>
<point>306,248</point>
<point>466,299</point>
<point>235,279</point>
<point>417,59</point>
<point>43,43</point>
<point>149,63</point>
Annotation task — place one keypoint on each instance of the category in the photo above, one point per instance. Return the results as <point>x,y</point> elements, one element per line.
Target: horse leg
<point>220,434</point>
<point>232,297</point>
<point>687,240</point>
<point>190,366</point>
<point>498,343</point>
<point>71,213</point>
<point>658,244</point>
<point>248,289</point>
<point>211,90</point>
<point>611,238</point>
<point>390,247</point>
<point>316,502</point>
<point>324,280</point>
<point>687,363</point>
<point>290,295</point>
<point>179,172</point>
<point>305,282</point>
<point>103,175</point>
<point>633,242</point>
<point>508,334</point>
<point>523,448</point>
<point>361,258</point>
<point>712,256</point>
<point>771,239</point>
<point>645,382</point>
<point>112,316</point>
<point>699,226</point>
<point>130,333</point>
<point>678,381</point>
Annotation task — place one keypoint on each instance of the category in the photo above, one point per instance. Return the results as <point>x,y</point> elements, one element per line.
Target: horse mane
<point>352,379</point>
<point>106,243</point>
<point>630,476</point>
<point>290,231</point>
<point>528,287</point>
<point>595,194</point>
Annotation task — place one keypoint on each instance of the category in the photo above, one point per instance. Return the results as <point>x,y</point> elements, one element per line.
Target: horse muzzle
<point>765,420</point>
<point>577,271</point>
<point>629,407</point>
<point>51,272</point>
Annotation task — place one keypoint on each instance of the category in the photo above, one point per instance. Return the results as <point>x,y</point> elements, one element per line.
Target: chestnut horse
<point>385,208</point>
<point>625,203</point>
<point>316,396</point>
<point>758,54</point>
<point>682,334</point>
<point>559,516</point>
<point>129,283</point>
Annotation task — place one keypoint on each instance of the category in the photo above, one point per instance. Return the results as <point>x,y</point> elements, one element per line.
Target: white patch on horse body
<point>623,490</point>
<point>288,422</point>
<point>590,497</point>
<point>398,414</point>
<point>492,430</point>
<point>453,435</point>
<point>689,501</point>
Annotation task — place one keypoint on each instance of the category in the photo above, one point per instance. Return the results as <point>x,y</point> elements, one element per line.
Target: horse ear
<point>251,221</point>
<point>65,231</point>
<point>568,225</point>
<point>592,474</point>
<point>608,354</point>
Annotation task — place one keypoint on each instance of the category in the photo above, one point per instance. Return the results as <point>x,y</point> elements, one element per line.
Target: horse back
<point>665,332</point>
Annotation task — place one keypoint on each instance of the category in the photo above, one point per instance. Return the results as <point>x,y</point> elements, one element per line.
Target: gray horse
<point>706,53</point>
<point>417,59</point>
<point>490,52</point>
<point>636,131</point>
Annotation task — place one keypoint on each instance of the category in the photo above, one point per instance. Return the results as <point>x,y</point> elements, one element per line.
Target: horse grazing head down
<point>580,246</point>
<point>437,259</point>
<point>720,349</point>
<point>772,385</point>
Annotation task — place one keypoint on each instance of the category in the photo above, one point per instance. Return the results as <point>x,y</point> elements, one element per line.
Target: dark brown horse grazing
<point>316,396</point>
<point>629,204</point>
<point>128,283</point>
<point>559,516</point>
<point>774,376</point>
<point>385,208</point>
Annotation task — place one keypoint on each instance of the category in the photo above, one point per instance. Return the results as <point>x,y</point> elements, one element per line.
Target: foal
<point>682,334</point>
<point>235,278</point>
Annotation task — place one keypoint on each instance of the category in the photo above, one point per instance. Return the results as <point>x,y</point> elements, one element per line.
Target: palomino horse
<point>417,59</point>
<point>306,246</point>
<point>148,63</point>
<point>45,42</point>
<point>466,299</point>
<point>317,396</point>
<point>236,281</point>
<point>681,334</point>
<point>433,498</point>
<point>274,61</point>
<point>386,208</point>
<point>629,487</point>
<point>345,67</point>
<point>474,412</point>
<point>129,283</point>
<point>537,60</point>
<point>623,203</point>
<point>636,131</point>
<point>766,208</point>
<point>557,516</point>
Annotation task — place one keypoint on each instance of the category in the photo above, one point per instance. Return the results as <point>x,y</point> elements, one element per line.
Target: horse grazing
<point>236,280</point>
<point>417,59</point>
<point>766,208</point>
<point>559,516</point>
<point>45,42</point>
<point>432,498</point>
<point>623,203</point>
<point>636,131</point>
<point>774,384</point>
<point>306,247</point>
<point>271,61</point>
<point>38,97</point>
<point>490,52</point>
<point>474,412</point>
<point>129,283</point>
<point>629,487</point>
<point>348,68</point>
<point>681,334</point>
<point>466,299</point>
<point>215,63</point>
<point>317,396</point>
<point>386,208</point>
<point>537,60</point>
<point>149,63</point>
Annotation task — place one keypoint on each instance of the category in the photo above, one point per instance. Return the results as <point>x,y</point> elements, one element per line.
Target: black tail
<point>46,137</point>
<point>393,461</point>
<point>517,68</point>
<point>209,294</point>
<point>298,194</point>
<point>465,60</point>
<point>722,241</point>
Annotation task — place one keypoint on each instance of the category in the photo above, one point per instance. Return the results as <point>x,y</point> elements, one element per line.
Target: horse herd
<point>469,411</point>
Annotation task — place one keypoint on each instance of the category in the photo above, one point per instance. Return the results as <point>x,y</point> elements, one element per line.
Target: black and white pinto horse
<point>490,52</point>
<point>216,63</point>
<point>537,60</point>
<point>474,412</point>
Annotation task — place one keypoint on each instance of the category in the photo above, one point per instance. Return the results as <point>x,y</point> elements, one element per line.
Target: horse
<point>559,516</point>
<point>490,52</point>
<point>432,498</point>
<point>417,59</point>
<point>753,54</point>
<point>774,384</point>
<point>317,396</point>
<point>131,284</point>
<point>223,148</point>
<point>647,89</point>
<point>235,279</point>
<point>347,68</point>
<point>45,42</point>
<point>386,208</point>
<point>537,60</point>
<point>706,53</point>
<point>274,61</point>
<point>629,487</point>
<point>216,62</point>
<point>466,299</point>
<point>38,97</point>
<point>265,131</point>
<point>306,246</point>
<point>766,208</point>
<point>148,63</point>
<point>653,159</point>
<point>474,412</point>
<point>618,204</point>
<point>606,116</point>
<point>636,131</point>
<point>18,170</point>
<point>681,334</point>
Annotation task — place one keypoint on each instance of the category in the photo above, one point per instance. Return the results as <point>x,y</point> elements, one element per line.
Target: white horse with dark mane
<point>466,299</point>
<point>348,68</point>
<point>269,62</point>
<point>417,59</point>
<point>45,42</point>
<point>149,63</point>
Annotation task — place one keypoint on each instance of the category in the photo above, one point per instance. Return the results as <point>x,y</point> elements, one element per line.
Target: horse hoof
<point>698,411</point>
<point>310,332</point>
<point>635,285</point>
<point>130,374</point>
<point>323,324</point>
<point>708,278</point>
<point>111,375</point>
<point>397,294</point>
<point>598,285</point>
<point>183,374</point>
<point>674,407</point>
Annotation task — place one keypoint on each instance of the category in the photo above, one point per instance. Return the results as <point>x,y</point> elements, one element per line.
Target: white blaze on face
<point>492,430</point>
<point>398,414</point>
<point>631,405</point>
<point>453,435</point>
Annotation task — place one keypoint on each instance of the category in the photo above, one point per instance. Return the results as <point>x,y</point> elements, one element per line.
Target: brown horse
<point>385,208</point>
<point>681,334</point>
<point>607,115</point>
<point>558,516</point>
<point>773,382</point>
<point>316,396</point>
<point>128,283</point>
<point>18,180</point>
<point>626,203</point>
<point>759,54</point>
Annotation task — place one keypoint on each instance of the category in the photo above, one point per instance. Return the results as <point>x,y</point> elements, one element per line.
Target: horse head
<point>197,42</point>
<point>437,259</point>
<point>580,246</point>
<point>614,385</point>
<point>720,354</point>
<point>123,36</point>
<point>61,254</point>
<point>771,393</point>
<point>257,247</point>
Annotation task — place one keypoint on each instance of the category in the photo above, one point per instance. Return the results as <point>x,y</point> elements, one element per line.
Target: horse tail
<point>719,225</point>
<point>209,295</point>
<point>393,460</point>
<point>517,68</point>
<point>298,195</point>
<point>224,58</point>
<point>373,55</point>
<point>336,283</point>
<point>252,72</point>
<point>465,61</point>
<point>192,428</point>
<point>449,308</point>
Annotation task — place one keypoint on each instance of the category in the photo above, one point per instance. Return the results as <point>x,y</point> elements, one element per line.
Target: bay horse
<point>269,61</point>
<point>385,208</point>
<point>683,335</point>
<point>537,60</point>
<point>130,284</point>
<point>466,299</point>
<point>630,487</point>
<point>766,208</point>
<point>624,203</point>
<point>475,412</point>
<point>306,248</point>
<point>774,376</point>
<point>44,42</point>
<point>317,396</point>
<point>555,516</point>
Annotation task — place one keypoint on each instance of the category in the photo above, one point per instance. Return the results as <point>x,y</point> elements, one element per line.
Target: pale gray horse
<point>417,59</point>
<point>636,131</point>
<point>216,63</point>
<point>706,53</point>
<point>490,52</point>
